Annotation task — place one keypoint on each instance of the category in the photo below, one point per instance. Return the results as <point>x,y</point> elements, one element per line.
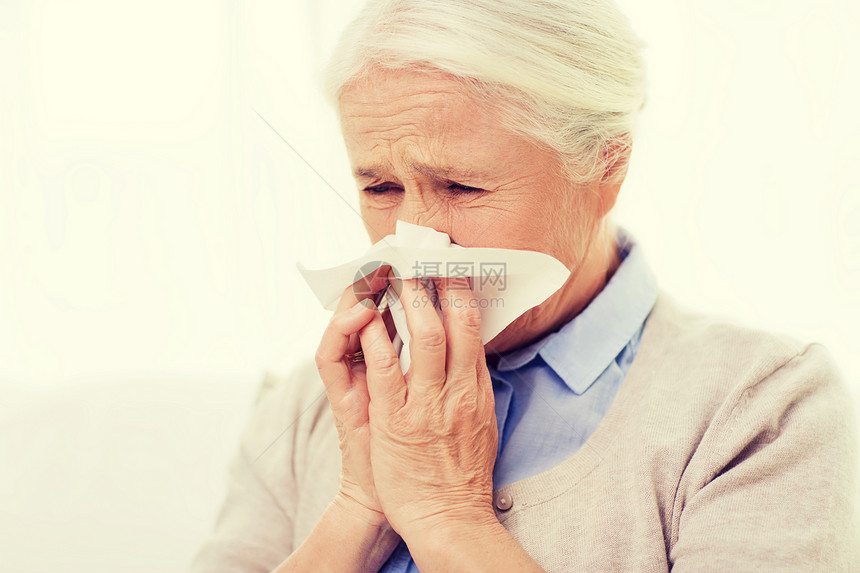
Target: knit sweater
<point>725,449</point>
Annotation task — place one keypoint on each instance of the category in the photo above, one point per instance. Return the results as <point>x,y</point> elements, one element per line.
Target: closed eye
<point>381,189</point>
<point>459,188</point>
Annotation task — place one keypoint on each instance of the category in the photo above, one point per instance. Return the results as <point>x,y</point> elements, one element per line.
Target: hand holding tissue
<point>505,282</point>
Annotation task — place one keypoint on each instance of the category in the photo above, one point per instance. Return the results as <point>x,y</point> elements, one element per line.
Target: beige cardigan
<point>726,449</point>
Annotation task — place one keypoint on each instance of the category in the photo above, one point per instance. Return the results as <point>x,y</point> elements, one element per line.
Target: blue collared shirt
<point>551,395</point>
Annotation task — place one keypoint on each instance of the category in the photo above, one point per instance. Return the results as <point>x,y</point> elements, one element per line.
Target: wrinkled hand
<point>433,434</point>
<point>346,388</point>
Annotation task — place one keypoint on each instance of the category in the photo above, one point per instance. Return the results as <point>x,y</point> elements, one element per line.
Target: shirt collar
<point>584,347</point>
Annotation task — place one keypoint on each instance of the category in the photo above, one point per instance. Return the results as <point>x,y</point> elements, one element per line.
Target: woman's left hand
<point>433,431</point>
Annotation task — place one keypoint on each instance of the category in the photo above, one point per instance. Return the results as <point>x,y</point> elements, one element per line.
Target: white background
<point>150,223</point>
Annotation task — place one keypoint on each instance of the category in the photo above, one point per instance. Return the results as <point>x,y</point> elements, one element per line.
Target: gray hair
<point>566,73</point>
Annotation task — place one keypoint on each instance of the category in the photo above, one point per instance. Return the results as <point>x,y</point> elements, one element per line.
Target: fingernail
<point>367,303</point>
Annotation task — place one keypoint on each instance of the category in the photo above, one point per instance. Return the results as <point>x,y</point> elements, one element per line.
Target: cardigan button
<point>502,501</point>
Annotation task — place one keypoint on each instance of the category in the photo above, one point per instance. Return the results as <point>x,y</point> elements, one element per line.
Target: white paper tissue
<point>506,282</point>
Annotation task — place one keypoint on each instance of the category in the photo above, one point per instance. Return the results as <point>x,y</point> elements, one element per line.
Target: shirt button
<point>503,501</point>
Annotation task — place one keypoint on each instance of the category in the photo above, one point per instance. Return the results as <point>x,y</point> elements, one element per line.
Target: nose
<point>420,207</point>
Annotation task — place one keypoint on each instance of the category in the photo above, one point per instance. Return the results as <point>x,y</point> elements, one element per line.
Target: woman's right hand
<point>346,388</point>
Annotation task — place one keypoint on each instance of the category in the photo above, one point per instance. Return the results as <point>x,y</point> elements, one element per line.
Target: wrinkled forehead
<point>416,97</point>
<point>400,107</point>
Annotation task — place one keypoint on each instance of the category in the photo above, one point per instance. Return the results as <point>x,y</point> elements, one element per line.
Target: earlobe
<point>616,159</point>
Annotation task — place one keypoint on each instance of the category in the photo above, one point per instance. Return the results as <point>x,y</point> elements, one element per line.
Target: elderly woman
<point>606,428</point>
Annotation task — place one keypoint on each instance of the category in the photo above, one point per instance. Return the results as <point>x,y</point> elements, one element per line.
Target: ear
<point>616,158</point>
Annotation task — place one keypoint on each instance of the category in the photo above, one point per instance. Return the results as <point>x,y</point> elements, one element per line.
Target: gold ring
<point>355,357</point>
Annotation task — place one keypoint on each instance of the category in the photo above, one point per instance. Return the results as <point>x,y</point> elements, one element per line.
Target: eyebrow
<point>439,173</point>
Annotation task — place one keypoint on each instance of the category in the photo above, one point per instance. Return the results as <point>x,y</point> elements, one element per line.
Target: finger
<point>330,361</point>
<point>462,319</point>
<point>485,382</point>
<point>427,345</point>
<point>385,382</point>
<point>371,286</point>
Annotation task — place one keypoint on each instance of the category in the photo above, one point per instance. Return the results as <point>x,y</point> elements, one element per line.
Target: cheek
<point>377,222</point>
<point>509,229</point>
<point>544,222</point>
